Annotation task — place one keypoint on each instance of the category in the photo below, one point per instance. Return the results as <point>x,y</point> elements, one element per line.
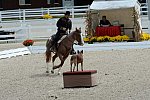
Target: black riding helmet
<point>67,13</point>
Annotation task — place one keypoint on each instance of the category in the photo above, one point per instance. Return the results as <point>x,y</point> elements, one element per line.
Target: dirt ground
<point>122,75</point>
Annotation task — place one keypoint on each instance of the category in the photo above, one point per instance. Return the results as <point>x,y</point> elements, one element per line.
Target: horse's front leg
<point>62,62</point>
<point>62,59</point>
<point>53,59</point>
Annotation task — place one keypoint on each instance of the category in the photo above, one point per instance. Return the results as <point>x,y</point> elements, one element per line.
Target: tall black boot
<point>72,51</point>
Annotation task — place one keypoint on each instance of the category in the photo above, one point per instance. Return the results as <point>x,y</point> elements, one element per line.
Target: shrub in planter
<point>28,42</point>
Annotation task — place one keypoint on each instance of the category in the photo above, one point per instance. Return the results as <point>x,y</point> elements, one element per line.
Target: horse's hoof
<point>47,71</point>
<point>52,71</point>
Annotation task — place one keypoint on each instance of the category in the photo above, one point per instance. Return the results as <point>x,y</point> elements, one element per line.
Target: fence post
<point>148,3</point>
<point>29,31</point>
<point>88,7</point>
<point>48,11</point>
<point>0,16</point>
<point>72,12</point>
<point>24,15</point>
<point>42,12</point>
<point>19,13</point>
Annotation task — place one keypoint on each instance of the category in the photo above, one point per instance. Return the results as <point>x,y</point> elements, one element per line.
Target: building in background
<point>76,2</point>
<point>0,4</point>
<point>27,4</point>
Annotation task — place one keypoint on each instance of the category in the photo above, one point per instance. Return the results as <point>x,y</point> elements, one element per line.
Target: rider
<point>64,24</point>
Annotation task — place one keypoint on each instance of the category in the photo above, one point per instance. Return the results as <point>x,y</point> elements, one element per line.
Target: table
<point>108,31</point>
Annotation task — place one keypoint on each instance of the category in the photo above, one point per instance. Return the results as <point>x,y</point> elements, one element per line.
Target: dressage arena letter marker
<point>86,78</point>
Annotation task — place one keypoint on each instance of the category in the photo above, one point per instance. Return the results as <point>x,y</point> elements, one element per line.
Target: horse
<point>76,59</point>
<point>63,50</point>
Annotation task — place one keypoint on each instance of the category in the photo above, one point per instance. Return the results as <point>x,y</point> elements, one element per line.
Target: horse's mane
<point>76,31</point>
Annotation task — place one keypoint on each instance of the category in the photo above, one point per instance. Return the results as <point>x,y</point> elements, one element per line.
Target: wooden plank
<point>14,53</point>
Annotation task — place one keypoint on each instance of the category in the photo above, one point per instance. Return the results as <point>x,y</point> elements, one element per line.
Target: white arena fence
<point>24,14</point>
<point>144,9</point>
<point>35,30</point>
<point>22,24</point>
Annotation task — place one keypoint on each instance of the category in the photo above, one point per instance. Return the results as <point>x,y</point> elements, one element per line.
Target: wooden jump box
<point>86,78</point>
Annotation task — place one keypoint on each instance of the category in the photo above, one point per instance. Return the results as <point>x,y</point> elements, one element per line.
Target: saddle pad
<point>63,37</point>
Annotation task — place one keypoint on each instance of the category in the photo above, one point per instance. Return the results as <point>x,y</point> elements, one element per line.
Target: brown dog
<point>76,59</point>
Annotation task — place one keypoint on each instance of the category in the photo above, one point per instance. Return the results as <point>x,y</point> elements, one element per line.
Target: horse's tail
<point>48,52</point>
<point>48,56</point>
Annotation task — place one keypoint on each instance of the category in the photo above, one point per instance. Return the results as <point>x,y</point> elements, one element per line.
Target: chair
<point>122,29</point>
<point>115,23</point>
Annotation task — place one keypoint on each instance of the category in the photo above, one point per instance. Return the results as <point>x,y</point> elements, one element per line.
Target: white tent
<point>126,12</point>
<point>109,5</point>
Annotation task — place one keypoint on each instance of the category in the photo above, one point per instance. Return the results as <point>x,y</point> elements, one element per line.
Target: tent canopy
<point>107,5</point>
<point>125,12</point>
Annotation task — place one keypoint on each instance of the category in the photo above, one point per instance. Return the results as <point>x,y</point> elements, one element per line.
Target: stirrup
<point>72,52</point>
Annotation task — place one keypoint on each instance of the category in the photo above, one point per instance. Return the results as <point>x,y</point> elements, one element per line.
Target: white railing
<point>144,9</point>
<point>24,14</point>
<point>36,30</point>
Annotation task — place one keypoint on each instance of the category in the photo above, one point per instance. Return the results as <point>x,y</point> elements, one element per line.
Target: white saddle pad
<point>61,38</point>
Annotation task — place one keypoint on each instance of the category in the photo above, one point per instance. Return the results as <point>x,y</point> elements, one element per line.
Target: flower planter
<point>90,42</point>
<point>30,48</point>
<point>28,42</point>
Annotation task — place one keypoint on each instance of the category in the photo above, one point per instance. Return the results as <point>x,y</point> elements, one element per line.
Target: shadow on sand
<point>45,75</point>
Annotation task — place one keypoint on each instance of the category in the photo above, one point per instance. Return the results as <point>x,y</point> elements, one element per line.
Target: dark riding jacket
<point>64,24</point>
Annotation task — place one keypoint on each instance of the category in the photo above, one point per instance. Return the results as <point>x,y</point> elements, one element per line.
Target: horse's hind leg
<point>47,71</point>
<point>48,58</point>
<point>53,59</point>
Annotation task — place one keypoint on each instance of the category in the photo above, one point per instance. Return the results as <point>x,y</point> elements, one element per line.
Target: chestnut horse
<point>64,48</point>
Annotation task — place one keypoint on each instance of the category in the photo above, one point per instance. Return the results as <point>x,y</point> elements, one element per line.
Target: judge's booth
<point>124,16</point>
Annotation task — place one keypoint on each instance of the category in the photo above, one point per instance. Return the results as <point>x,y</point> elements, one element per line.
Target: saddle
<point>55,44</point>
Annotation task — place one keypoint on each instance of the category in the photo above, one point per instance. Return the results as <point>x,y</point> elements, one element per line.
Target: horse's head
<point>78,36</point>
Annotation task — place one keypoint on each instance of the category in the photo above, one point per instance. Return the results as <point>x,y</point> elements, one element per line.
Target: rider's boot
<point>72,51</point>
<point>56,46</point>
<point>53,45</point>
